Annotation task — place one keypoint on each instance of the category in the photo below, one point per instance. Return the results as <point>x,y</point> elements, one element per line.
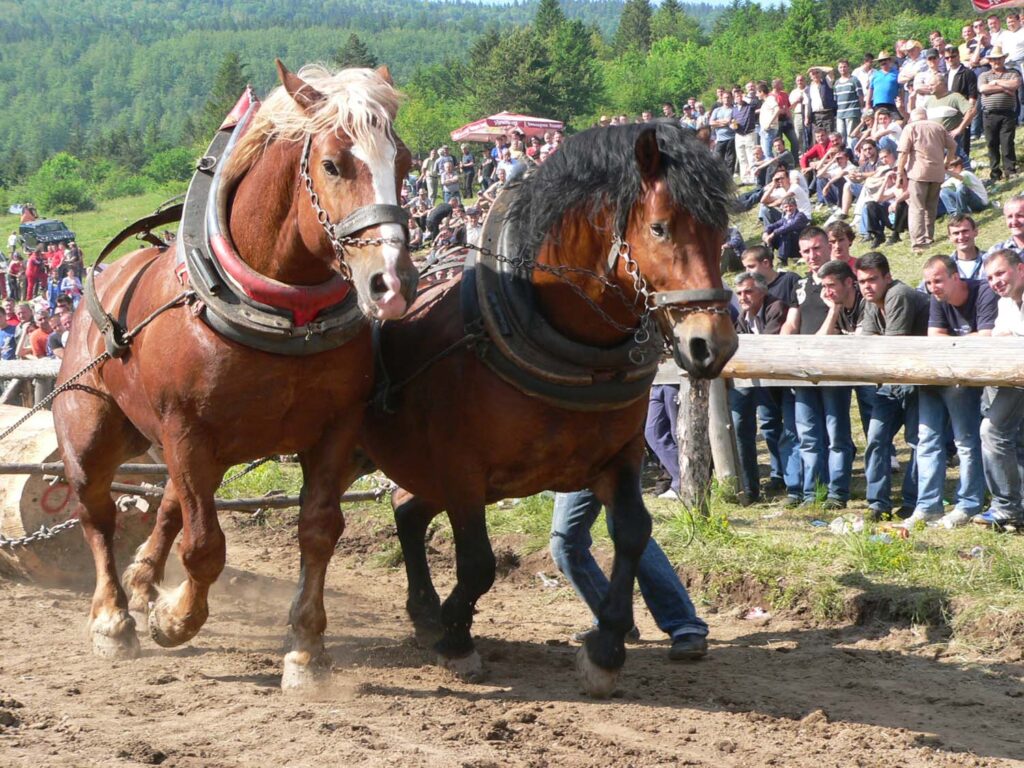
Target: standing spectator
<point>961,79</point>
<point>787,128</point>
<point>744,115</point>
<point>725,137</point>
<point>768,118</point>
<point>883,91</point>
<point>660,433</point>
<point>760,313</point>
<point>427,171</point>
<point>998,88</point>
<point>958,308</point>
<point>35,274</point>
<point>12,241</point>
<point>864,73</point>
<point>467,167</point>
<point>664,593</point>
<point>798,109</point>
<point>71,286</point>
<point>849,97</point>
<point>8,330</point>
<point>925,149</point>
<point>1002,428</point>
<point>1013,44</point>
<point>891,308</point>
<point>951,110</point>
<point>821,99</point>
<point>451,183</point>
<point>15,272</point>
<point>822,414</point>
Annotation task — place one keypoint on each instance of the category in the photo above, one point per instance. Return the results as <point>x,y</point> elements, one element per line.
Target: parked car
<point>44,232</point>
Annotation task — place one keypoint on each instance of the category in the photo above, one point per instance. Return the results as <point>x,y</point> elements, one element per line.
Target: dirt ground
<point>781,693</point>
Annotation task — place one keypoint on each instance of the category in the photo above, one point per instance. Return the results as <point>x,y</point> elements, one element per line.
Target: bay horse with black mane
<point>529,370</point>
<point>263,348</point>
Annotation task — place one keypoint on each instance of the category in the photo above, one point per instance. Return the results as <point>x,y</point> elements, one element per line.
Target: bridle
<point>340,233</point>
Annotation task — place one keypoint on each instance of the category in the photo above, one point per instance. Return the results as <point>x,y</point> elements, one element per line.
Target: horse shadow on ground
<point>876,674</point>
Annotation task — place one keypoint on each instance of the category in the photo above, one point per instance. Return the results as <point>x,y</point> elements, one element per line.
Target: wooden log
<point>968,361</point>
<point>29,369</point>
<point>694,445</point>
<point>724,451</point>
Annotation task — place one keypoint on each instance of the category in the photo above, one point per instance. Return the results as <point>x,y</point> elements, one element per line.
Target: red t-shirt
<point>782,99</point>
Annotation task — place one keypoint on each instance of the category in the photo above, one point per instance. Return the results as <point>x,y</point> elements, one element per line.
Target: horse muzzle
<point>698,328</point>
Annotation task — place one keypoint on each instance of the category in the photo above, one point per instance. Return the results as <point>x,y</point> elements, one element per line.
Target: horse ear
<point>648,156</point>
<point>304,94</point>
<point>385,74</point>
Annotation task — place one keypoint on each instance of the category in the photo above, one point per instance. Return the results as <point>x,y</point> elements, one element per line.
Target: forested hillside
<point>118,94</point>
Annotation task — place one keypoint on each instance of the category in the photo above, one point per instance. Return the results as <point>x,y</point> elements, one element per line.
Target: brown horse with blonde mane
<point>620,227</point>
<point>320,152</point>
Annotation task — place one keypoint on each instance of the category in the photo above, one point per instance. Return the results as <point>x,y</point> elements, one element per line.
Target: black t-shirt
<point>978,313</point>
<point>806,295</point>
<point>849,319</point>
<point>783,285</point>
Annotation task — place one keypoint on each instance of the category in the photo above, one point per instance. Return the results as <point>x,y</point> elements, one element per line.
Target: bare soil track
<point>782,694</point>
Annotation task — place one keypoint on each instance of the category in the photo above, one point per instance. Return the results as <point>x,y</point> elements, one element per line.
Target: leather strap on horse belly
<point>114,337</point>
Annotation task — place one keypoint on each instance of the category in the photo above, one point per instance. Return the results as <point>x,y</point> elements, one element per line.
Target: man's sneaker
<point>670,495</point>
<point>792,502</point>
<point>836,216</point>
<point>954,519</point>
<point>893,239</point>
<point>877,514</point>
<point>831,505</point>
<point>774,484</point>
<point>633,636</point>
<point>920,516</point>
<point>689,647</point>
<point>998,520</point>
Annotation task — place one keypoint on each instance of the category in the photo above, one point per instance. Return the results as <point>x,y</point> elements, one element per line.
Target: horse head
<point>322,165</point>
<point>674,235</point>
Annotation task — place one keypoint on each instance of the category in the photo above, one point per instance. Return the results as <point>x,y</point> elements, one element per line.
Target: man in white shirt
<point>962,191</point>
<point>864,72</point>
<point>1002,428</point>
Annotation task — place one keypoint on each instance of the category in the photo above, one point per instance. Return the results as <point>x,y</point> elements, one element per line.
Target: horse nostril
<point>700,351</point>
<point>378,285</point>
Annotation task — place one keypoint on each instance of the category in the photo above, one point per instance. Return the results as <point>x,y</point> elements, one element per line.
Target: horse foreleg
<point>474,564</point>
<point>141,578</point>
<point>177,615</point>
<point>321,523</point>
<point>412,516</point>
<point>604,652</point>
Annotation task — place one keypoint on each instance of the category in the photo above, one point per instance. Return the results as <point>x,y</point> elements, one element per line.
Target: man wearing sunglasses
<point>961,79</point>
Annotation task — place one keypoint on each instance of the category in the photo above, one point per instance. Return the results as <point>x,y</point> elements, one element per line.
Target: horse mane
<point>597,170</point>
<point>358,102</point>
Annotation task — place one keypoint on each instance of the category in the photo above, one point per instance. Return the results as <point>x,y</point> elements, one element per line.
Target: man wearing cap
<point>884,87</point>
<point>998,88</point>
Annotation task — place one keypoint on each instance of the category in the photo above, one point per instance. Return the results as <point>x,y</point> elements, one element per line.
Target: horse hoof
<point>115,638</point>
<point>468,669</point>
<point>304,672</point>
<point>168,630</point>
<point>597,682</point>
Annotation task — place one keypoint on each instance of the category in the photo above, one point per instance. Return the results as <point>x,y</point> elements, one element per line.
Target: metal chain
<point>43,534</point>
<point>247,469</point>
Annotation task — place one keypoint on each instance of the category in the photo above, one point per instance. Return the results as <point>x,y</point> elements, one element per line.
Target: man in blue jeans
<point>1002,428</point>
<point>958,308</point>
<point>664,593</point>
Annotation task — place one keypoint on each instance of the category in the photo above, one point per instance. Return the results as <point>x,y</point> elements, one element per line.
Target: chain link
<point>43,534</point>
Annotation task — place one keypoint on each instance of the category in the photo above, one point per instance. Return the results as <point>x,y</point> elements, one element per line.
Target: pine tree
<point>228,85</point>
<point>354,53</point>
<point>634,32</point>
<point>670,20</point>
<point>549,17</point>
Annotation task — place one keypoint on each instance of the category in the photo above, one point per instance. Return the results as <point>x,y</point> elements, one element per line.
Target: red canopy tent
<point>486,129</point>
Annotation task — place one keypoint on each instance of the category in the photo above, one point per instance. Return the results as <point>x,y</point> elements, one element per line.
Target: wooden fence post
<point>724,450</point>
<point>694,444</point>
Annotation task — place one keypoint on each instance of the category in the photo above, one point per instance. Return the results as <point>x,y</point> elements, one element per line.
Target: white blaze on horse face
<point>379,157</point>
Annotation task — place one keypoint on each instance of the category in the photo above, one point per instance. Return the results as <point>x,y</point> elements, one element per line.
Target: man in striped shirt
<point>849,100</point>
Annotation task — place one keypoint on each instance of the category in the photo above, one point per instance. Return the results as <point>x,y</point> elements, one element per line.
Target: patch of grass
<point>530,516</point>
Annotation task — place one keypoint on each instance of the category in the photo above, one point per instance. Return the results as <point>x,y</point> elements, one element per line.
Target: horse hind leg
<point>307,664</point>
<point>475,565</point>
<point>412,516</point>
<point>177,615</point>
<point>141,578</point>
<point>95,437</point>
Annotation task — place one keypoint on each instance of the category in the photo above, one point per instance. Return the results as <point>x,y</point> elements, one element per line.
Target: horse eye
<point>331,168</point>
<point>658,230</point>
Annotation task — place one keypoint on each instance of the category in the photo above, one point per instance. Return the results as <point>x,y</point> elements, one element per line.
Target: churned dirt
<point>772,692</point>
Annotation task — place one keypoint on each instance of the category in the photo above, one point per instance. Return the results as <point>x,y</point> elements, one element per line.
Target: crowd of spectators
<point>40,289</point>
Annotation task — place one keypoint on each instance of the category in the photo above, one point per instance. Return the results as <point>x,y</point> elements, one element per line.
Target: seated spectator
<point>731,250</point>
<point>58,340</point>
<point>415,234</point>
<point>867,166</point>
<point>962,192</point>
<point>1013,216</point>
<point>474,225</point>
<point>831,180</point>
<point>886,131</point>
<point>499,184</point>
<point>817,150</point>
<point>963,232</point>
<point>782,235</point>
<point>840,240</point>
<point>781,187</point>
<point>884,198</point>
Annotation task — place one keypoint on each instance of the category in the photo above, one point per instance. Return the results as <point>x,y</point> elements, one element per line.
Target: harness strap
<point>370,216</point>
<point>671,298</point>
<point>114,336</point>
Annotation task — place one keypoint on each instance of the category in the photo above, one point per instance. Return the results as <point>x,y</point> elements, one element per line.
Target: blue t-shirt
<point>726,133</point>
<point>884,87</point>
<point>7,336</point>
<point>978,313</point>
